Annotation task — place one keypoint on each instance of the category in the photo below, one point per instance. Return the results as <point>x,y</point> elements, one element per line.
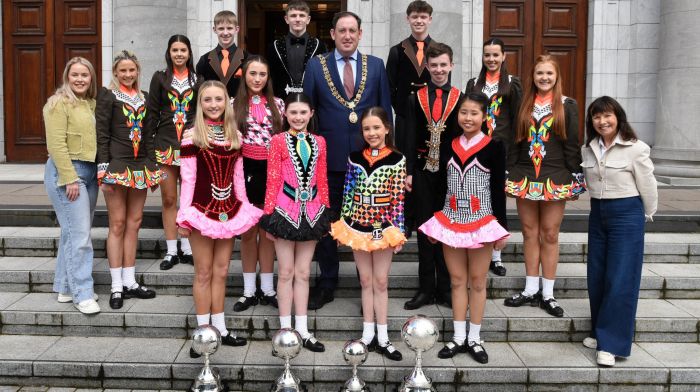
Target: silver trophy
<point>286,344</point>
<point>355,353</point>
<point>420,334</point>
<point>205,341</point>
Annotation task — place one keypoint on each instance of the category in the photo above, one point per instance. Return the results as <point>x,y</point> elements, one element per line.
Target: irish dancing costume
<point>213,198</point>
<point>502,111</point>
<point>544,166</point>
<point>255,145</point>
<point>124,147</point>
<point>475,207</point>
<point>372,215</point>
<point>296,201</point>
<point>171,110</point>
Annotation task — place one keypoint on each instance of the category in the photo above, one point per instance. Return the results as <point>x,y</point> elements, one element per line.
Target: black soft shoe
<point>270,300</point>
<point>389,351</point>
<point>139,291</point>
<point>244,303</point>
<point>444,299</point>
<point>476,350</point>
<point>497,268</point>
<point>232,340</point>
<point>419,300</point>
<point>451,349</point>
<point>521,299</point>
<point>186,259</point>
<point>319,298</point>
<point>116,300</point>
<point>169,261</point>
<point>314,345</point>
<point>552,307</point>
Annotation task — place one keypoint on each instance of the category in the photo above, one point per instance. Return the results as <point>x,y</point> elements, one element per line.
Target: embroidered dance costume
<point>124,146</point>
<point>255,145</point>
<point>475,205</point>
<point>296,202</point>
<point>544,166</point>
<point>502,111</point>
<point>171,110</point>
<point>213,198</point>
<point>372,215</point>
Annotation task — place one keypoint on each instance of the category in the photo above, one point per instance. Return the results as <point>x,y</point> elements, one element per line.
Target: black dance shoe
<point>139,291</point>
<point>451,349</point>
<point>186,259</point>
<point>116,300</point>
<point>521,299</point>
<point>419,300</point>
<point>552,307</point>
<point>476,350</point>
<point>389,351</point>
<point>169,261</point>
<point>314,345</point>
<point>270,300</point>
<point>497,268</point>
<point>232,340</point>
<point>244,303</point>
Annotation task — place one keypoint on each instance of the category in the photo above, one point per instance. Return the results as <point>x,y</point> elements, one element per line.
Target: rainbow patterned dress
<point>372,214</point>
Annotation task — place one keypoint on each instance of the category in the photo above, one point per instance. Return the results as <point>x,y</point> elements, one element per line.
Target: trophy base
<point>206,388</point>
<point>406,388</point>
<point>302,388</point>
<point>365,389</point>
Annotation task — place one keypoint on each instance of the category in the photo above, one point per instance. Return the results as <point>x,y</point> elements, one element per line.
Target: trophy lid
<point>420,333</point>
<point>206,340</point>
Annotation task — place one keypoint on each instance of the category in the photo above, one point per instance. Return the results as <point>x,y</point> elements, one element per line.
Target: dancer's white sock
<point>474,332</point>
<point>129,277</point>
<point>249,284</point>
<point>218,321</point>
<point>547,288</point>
<point>185,246</point>
<point>203,319</point>
<point>367,332</point>
<point>172,247</point>
<point>285,322</point>
<point>266,283</point>
<point>117,283</point>
<point>460,333</point>
<point>532,285</point>
<point>382,334</point>
<point>301,326</point>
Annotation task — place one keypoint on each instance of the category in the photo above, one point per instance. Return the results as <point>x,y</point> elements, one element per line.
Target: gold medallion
<point>352,117</point>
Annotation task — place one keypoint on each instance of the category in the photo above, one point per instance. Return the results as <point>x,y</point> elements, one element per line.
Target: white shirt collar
<point>339,57</point>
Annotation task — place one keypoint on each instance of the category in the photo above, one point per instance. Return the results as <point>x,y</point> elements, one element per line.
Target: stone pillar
<point>676,152</point>
<point>145,29</point>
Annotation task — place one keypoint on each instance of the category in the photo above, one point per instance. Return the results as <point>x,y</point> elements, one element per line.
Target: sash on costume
<point>432,158</point>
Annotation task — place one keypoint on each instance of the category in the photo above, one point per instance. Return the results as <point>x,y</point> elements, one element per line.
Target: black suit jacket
<point>277,57</point>
<point>209,67</point>
<point>406,76</point>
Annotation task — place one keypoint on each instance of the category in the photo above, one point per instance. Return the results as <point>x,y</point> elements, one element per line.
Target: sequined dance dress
<point>296,199</point>
<point>544,166</point>
<point>125,152</point>
<point>212,197</point>
<point>372,215</point>
<point>475,205</point>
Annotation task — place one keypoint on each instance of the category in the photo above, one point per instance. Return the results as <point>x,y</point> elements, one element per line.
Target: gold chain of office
<point>348,104</point>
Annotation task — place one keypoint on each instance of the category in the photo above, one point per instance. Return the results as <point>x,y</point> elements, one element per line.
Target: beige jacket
<point>624,171</point>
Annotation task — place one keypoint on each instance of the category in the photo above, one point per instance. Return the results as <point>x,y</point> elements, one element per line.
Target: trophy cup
<point>355,353</point>
<point>286,344</point>
<point>420,334</point>
<point>205,341</point>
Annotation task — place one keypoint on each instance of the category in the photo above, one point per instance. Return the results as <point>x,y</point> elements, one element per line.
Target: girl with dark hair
<point>296,211</point>
<point>171,106</point>
<point>472,222</point>
<point>372,221</point>
<point>258,116</point>
<point>623,192</point>
<point>544,170</point>
<point>505,93</point>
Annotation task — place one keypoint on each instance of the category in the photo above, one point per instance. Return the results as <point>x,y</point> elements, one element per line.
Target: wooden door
<point>39,37</point>
<point>533,27</point>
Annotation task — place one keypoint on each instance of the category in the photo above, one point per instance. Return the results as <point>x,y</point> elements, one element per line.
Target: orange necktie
<point>437,105</point>
<point>224,62</point>
<point>419,53</point>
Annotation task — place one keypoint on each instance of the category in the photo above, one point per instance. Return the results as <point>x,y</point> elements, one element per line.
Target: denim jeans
<point>75,256</point>
<point>615,256</point>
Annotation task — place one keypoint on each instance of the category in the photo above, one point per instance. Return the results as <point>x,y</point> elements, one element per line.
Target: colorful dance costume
<point>372,216</point>
<point>296,202</point>
<point>213,198</point>
<point>502,111</point>
<point>475,205</point>
<point>255,146</point>
<point>544,166</point>
<point>124,147</point>
<point>171,109</point>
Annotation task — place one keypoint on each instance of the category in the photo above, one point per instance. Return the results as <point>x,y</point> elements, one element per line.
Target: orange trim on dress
<point>383,153</point>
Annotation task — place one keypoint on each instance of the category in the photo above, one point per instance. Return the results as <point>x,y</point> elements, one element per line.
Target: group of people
<point>298,151</point>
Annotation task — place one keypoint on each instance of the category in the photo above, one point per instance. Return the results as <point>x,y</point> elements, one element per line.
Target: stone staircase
<point>144,345</point>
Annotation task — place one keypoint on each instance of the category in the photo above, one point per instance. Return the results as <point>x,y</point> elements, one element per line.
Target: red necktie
<point>437,105</point>
<point>225,61</point>
<point>348,79</point>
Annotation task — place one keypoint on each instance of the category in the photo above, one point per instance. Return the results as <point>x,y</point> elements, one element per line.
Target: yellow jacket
<point>70,135</point>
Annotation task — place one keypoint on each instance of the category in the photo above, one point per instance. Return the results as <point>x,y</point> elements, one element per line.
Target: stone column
<point>144,28</point>
<point>676,151</point>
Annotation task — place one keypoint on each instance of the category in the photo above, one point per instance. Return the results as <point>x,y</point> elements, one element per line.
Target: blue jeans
<point>75,256</point>
<point>615,256</point>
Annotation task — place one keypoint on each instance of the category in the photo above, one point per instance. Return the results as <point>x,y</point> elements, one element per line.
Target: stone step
<point>169,316</point>
<point>659,247</point>
<point>125,363</point>
<point>659,280</point>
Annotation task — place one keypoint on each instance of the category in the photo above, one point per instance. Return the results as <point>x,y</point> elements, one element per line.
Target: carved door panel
<point>38,39</point>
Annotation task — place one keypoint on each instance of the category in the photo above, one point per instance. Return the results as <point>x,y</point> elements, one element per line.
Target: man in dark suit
<point>341,84</point>
<point>223,63</point>
<point>289,55</point>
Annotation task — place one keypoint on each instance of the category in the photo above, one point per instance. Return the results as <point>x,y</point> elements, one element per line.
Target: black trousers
<point>327,247</point>
<point>433,275</point>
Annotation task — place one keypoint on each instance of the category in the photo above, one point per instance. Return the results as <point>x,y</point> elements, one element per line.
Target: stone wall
<point>3,158</point>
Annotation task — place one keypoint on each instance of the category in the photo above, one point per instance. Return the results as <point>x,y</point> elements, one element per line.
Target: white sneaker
<point>604,358</point>
<point>89,306</point>
<point>590,343</point>
<point>65,298</point>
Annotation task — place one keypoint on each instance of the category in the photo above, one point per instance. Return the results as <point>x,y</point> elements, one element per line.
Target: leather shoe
<point>116,300</point>
<point>451,349</point>
<point>419,300</point>
<point>270,300</point>
<point>139,291</point>
<point>233,340</point>
<point>521,299</point>
<point>497,268</point>
<point>314,345</point>
<point>444,299</point>
<point>552,307</point>
<point>244,303</point>
<point>476,350</point>
<point>389,351</point>
<point>319,298</point>
<point>169,261</point>
<point>186,259</point>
